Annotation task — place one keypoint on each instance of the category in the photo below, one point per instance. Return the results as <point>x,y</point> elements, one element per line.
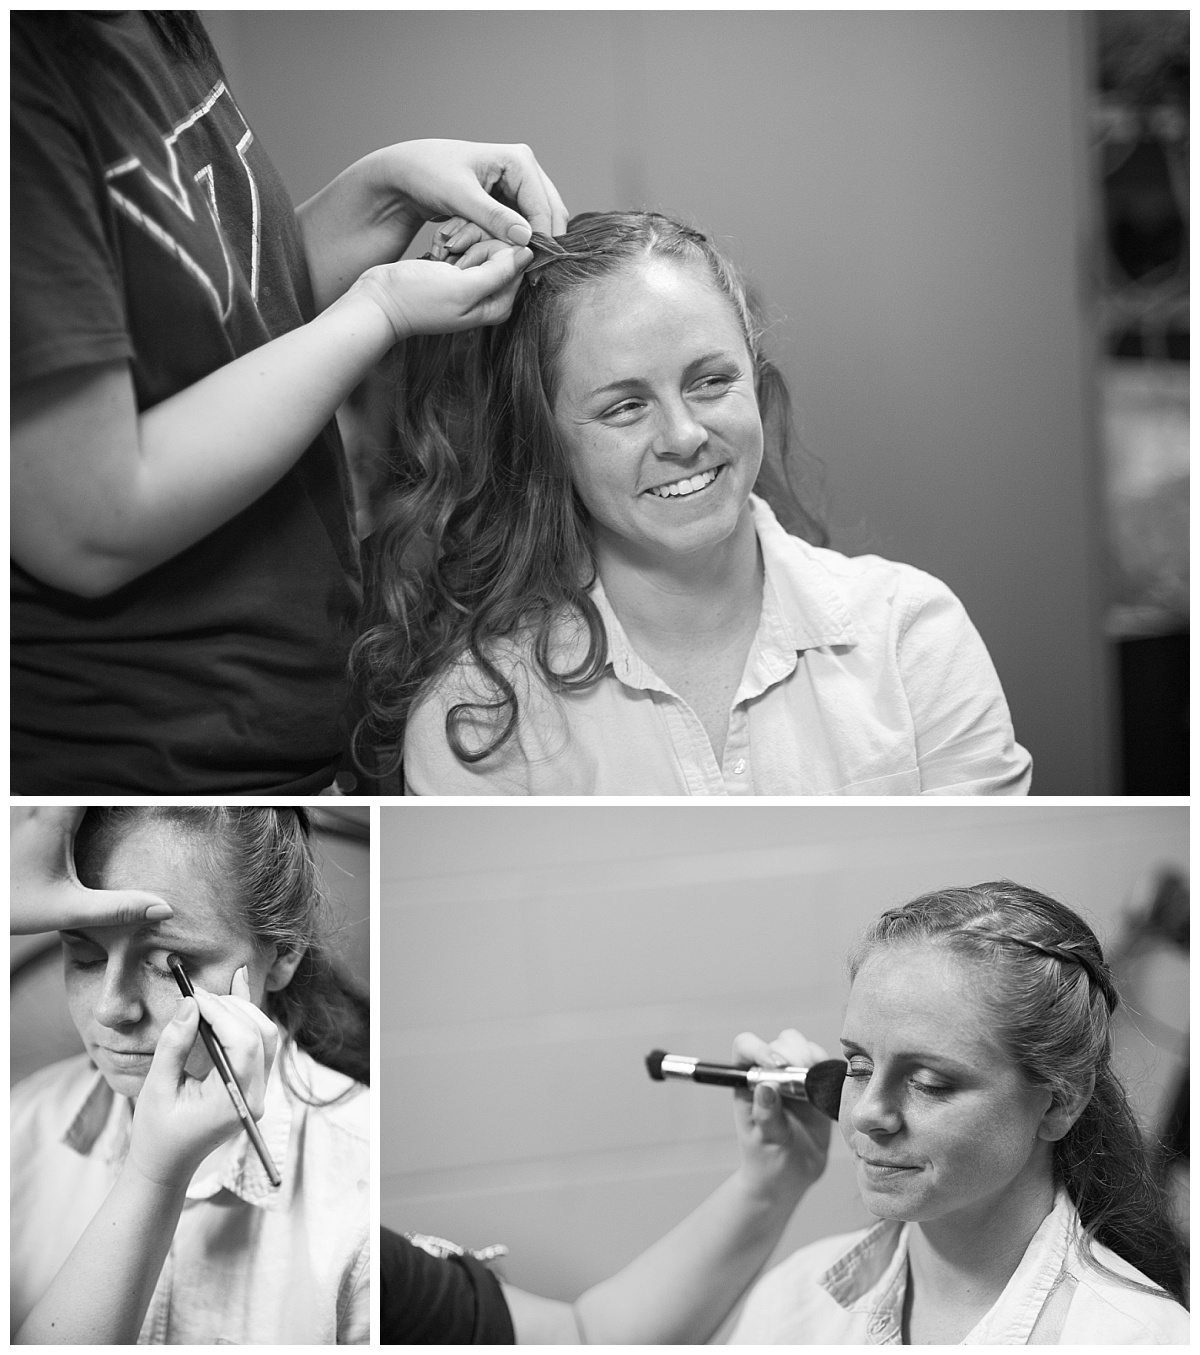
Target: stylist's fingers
<point>514,173</point>
<point>768,1114</point>
<point>455,237</point>
<point>174,1045</point>
<point>421,296</point>
<point>559,216</point>
<point>750,1050</point>
<point>76,907</point>
<point>493,281</point>
<point>107,908</point>
<point>44,891</point>
<point>249,1038</point>
<point>795,1049</point>
<point>236,1016</point>
<point>178,1120</point>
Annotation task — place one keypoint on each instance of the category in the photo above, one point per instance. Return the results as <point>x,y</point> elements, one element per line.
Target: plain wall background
<point>909,191</point>
<point>532,955</point>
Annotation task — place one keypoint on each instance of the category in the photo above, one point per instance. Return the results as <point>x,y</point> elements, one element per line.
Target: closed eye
<point>80,951</point>
<point>78,960</point>
<point>932,1088</point>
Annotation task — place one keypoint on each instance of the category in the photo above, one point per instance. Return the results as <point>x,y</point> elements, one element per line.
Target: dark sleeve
<point>67,304</point>
<point>428,1301</point>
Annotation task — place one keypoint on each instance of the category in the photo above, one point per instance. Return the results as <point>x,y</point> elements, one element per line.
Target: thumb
<point>766,1099</point>
<point>495,273</point>
<point>499,221</point>
<point>116,907</point>
<point>174,1046</point>
<point>768,1111</point>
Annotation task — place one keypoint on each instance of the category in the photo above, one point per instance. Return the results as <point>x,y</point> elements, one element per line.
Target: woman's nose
<point>874,1111</point>
<point>120,1002</point>
<point>680,434</point>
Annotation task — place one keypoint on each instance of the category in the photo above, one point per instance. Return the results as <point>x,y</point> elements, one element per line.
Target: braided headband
<point>1067,953</point>
<point>547,250</point>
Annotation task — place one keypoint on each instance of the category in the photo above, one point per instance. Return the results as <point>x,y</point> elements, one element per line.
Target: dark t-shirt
<point>148,224</point>
<point>426,1300</point>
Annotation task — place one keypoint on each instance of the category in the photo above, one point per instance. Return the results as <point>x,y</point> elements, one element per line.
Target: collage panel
<point>196,1169</point>
<point>723,415</point>
<point>598,531</point>
<point>544,963</point>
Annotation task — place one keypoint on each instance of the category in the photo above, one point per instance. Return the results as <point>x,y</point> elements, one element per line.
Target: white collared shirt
<point>249,1264</point>
<point>850,1290</point>
<point>865,677</point>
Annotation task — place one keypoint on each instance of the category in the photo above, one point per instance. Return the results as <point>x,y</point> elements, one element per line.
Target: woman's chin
<point>126,1084</point>
<point>682,533</point>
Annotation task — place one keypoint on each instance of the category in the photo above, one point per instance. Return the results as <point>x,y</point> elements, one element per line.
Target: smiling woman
<point>592,573</point>
<point>993,1141</point>
<point>139,1211</point>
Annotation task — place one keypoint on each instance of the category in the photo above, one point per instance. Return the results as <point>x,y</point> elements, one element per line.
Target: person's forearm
<point>351,225</point>
<point>210,451</point>
<point>101,1294</point>
<point>683,1287</point>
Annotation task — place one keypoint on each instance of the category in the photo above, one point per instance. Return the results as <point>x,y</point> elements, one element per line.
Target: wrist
<point>364,321</point>
<point>382,191</point>
<point>163,1185</point>
<point>771,1189</point>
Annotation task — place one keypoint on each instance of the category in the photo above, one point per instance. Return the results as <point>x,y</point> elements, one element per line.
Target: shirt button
<point>739,766</point>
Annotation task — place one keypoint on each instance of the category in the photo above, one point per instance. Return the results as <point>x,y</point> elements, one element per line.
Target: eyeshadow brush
<point>216,1052</point>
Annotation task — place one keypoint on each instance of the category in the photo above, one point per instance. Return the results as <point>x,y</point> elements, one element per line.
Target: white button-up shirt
<point>249,1264</point>
<point>850,1290</point>
<point>865,677</point>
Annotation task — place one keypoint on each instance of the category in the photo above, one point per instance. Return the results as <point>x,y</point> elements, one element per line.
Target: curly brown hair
<point>480,536</point>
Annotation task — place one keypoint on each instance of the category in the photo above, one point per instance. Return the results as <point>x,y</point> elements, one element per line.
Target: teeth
<point>682,487</point>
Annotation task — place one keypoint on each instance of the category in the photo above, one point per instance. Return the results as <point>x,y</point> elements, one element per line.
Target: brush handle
<point>821,1085</point>
<point>216,1052</point>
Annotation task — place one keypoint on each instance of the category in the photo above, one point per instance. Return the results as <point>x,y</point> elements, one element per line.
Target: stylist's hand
<point>502,189</point>
<point>180,1119</point>
<point>44,891</point>
<point>420,296</point>
<point>784,1143</point>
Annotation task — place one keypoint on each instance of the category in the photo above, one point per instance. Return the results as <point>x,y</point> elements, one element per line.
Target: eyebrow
<point>164,939</point>
<point>635,382</point>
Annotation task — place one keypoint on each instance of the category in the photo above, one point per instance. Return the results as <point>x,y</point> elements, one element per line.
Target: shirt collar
<point>801,610</point>
<point>623,659</point>
<point>1011,1319</point>
<point>102,1125</point>
<point>872,1277</point>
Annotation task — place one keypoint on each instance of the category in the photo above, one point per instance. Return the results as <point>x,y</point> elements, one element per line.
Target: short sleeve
<point>964,734</point>
<point>67,308</point>
<point>430,1300</point>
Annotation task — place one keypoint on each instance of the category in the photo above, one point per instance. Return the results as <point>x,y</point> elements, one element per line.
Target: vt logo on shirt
<point>196,201</point>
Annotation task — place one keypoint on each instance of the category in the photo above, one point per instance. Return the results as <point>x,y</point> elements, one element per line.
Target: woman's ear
<point>1064,1111</point>
<point>282,968</point>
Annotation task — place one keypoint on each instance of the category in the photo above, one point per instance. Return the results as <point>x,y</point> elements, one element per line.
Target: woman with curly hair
<point>591,574</point>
